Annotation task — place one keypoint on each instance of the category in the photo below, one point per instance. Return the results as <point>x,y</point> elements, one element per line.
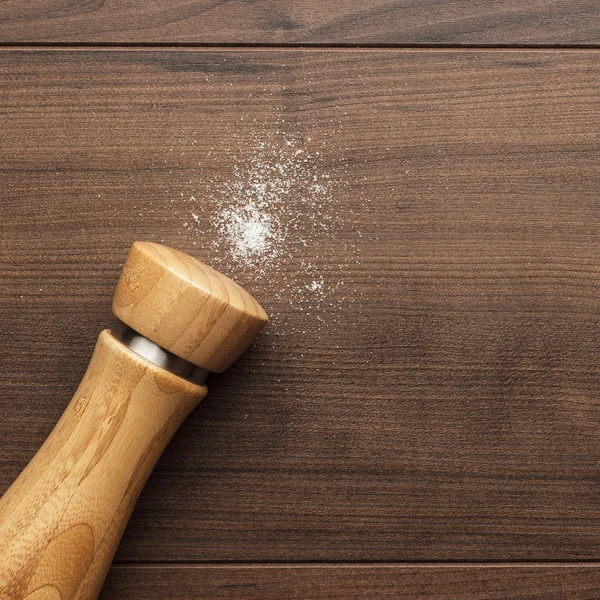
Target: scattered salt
<point>249,232</point>
<point>272,216</point>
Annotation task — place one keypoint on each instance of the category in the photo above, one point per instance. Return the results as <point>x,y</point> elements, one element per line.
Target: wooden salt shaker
<point>62,519</point>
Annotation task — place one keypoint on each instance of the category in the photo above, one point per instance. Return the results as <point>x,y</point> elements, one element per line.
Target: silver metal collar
<point>156,354</point>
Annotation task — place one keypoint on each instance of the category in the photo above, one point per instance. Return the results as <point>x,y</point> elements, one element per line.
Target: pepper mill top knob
<point>186,307</point>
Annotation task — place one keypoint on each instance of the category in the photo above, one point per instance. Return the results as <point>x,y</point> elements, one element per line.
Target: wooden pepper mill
<point>62,519</point>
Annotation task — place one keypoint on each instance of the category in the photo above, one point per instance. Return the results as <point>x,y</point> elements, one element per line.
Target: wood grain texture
<point>62,519</point>
<point>446,22</point>
<point>353,582</point>
<point>186,307</point>
<point>446,406</point>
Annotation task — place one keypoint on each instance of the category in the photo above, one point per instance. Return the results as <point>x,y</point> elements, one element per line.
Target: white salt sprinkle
<point>250,232</point>
<point>273,215</point>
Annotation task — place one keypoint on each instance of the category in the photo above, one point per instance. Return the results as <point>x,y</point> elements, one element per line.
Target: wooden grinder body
<point>62,519</point>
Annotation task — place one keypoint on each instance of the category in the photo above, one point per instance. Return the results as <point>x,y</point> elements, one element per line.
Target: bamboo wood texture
<point>436,22</point>
<point>186,307</point>
<point>449,414</point>
<point>62,519</point>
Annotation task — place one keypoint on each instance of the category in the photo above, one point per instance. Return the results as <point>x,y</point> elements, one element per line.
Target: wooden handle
<point>62,519</point>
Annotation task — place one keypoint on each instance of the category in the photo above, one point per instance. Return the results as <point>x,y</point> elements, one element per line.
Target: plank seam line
<point>174,46</point>
<point>351,564</point>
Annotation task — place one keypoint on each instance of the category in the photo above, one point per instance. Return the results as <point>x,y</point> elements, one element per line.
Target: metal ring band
<point>156,354</point>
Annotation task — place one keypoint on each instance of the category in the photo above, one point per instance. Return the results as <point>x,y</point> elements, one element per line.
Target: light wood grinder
<point>62,519</point>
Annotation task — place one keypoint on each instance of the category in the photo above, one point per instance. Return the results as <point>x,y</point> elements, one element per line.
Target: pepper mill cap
<point>186,307</point>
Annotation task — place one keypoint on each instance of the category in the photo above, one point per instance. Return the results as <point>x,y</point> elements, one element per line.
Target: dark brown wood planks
<point>343,582</point>
<point>435,22</point>
<point>445,407</point>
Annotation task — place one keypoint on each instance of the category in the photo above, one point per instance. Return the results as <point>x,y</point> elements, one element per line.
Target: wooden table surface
<point>422,417</point>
